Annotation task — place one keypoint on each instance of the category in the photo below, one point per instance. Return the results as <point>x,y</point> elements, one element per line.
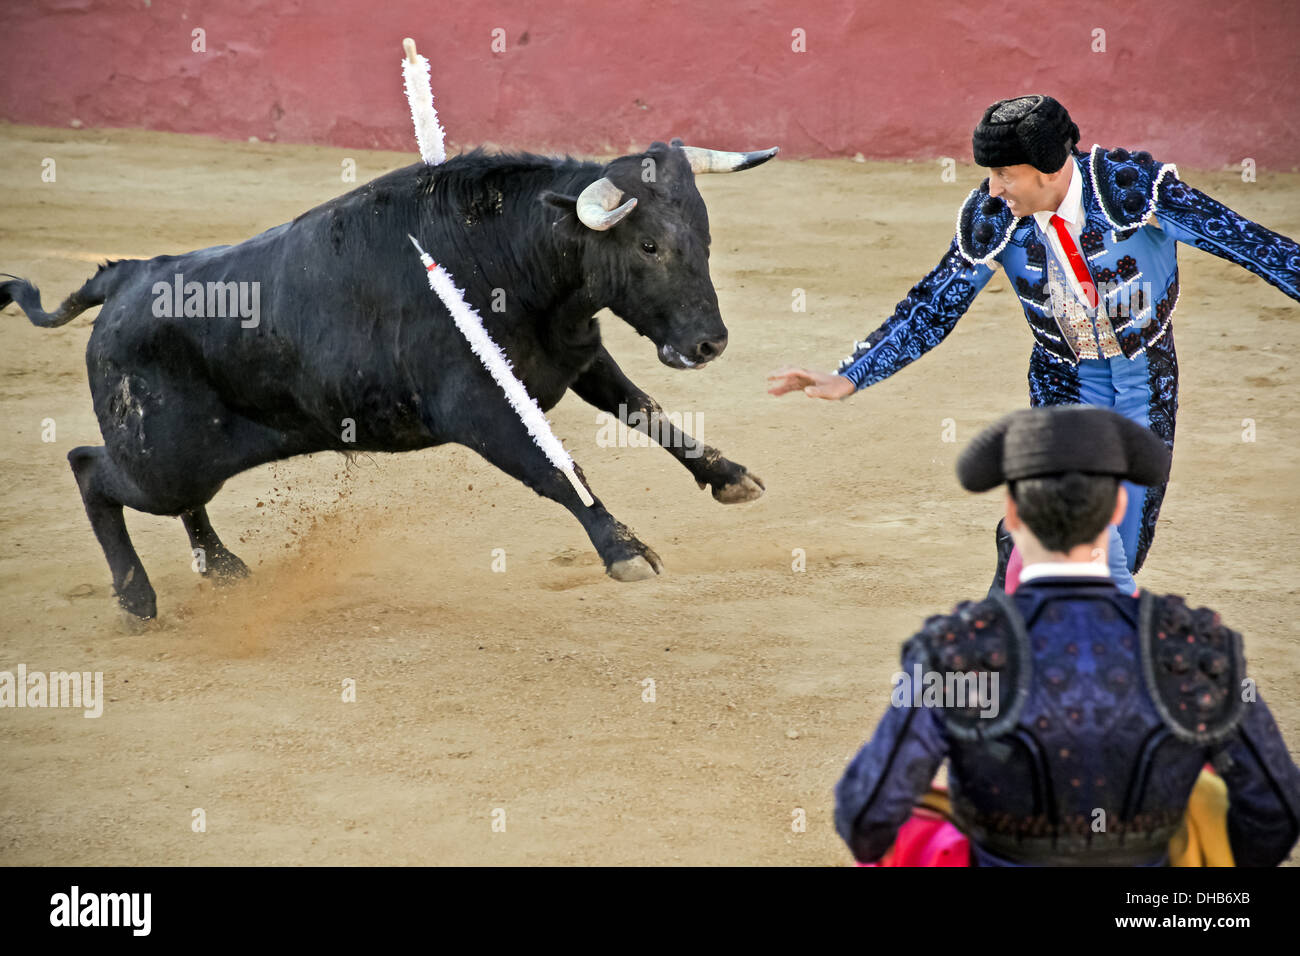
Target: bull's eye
<point>648,247</point>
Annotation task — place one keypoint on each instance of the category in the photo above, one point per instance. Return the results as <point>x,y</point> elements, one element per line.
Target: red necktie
<point>1076,261</point>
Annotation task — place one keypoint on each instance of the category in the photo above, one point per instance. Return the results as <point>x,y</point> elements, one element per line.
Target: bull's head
<point>646,254</point>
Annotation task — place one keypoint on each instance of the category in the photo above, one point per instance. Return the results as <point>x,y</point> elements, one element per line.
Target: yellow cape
<point>1201,840</point>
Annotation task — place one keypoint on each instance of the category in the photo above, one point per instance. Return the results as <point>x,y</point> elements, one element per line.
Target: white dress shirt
<point>1064,569</point>
<point>1071,210</point>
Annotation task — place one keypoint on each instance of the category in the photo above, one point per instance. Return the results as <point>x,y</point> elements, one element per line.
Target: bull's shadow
<point>322,335</point>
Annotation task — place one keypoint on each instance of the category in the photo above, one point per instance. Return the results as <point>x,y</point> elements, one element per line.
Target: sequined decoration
<point>1092,337</point>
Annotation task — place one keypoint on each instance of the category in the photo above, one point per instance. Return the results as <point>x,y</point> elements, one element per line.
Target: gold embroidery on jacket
<point>1088,340</point>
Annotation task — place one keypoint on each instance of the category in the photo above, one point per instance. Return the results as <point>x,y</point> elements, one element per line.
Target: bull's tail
<point>93,293</point>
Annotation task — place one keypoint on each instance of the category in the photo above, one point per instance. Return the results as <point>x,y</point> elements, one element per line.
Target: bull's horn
<point>598,206</point>
<point>718,161</point>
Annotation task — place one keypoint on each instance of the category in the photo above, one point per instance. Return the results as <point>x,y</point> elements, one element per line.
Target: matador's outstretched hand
<point>814,384</point>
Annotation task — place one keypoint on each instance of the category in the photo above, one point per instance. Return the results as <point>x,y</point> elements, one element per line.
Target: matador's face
<point>1025,190</point>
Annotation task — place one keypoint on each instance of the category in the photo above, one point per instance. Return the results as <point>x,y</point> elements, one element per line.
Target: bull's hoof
<point>632,569</point>
<point>135,596</point>
<point>748,487</point>
<point>226,569</point>
<point>133,624</point>
<point>639,567</point>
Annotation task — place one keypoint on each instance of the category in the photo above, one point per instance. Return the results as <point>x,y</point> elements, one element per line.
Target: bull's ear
<point>559,200</point>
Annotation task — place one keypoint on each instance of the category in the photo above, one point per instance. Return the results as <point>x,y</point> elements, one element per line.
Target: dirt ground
<point>523,691</point>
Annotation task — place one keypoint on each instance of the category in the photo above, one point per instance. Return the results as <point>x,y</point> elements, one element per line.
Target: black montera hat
<point>1039,442</point>
<point>1036,130</point>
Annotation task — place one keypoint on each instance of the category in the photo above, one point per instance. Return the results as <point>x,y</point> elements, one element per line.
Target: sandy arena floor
<point>523,690</point>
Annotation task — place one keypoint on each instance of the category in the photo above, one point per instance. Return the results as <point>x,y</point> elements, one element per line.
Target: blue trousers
<point>1143,389</point>
<point>1121,384</point>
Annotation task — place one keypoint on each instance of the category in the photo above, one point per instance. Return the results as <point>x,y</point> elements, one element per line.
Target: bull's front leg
<point>605,386</point>
<point>501,438</point>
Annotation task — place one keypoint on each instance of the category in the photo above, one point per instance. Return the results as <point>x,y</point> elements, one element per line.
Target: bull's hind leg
<point>214,558</point>
<point>100,492</point>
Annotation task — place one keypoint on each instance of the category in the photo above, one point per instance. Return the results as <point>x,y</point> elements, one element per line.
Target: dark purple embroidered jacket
<point>1106,708</point>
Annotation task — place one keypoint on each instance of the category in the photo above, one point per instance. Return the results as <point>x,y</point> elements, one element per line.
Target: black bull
<point>329,338</point>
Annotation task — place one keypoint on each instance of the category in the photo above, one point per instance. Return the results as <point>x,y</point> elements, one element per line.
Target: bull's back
<point>289,329</point>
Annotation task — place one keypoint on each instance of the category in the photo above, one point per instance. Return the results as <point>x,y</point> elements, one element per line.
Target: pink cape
<point>927,839</point>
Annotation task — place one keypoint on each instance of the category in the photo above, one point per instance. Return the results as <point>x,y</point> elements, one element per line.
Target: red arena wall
<point>1203,82</point>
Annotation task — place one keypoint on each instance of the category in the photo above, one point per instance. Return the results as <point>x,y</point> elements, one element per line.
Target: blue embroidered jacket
<point>1106,708</point>
<point>1134,263</point>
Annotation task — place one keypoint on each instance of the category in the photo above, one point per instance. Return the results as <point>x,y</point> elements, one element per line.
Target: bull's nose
<point>709,349</point>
